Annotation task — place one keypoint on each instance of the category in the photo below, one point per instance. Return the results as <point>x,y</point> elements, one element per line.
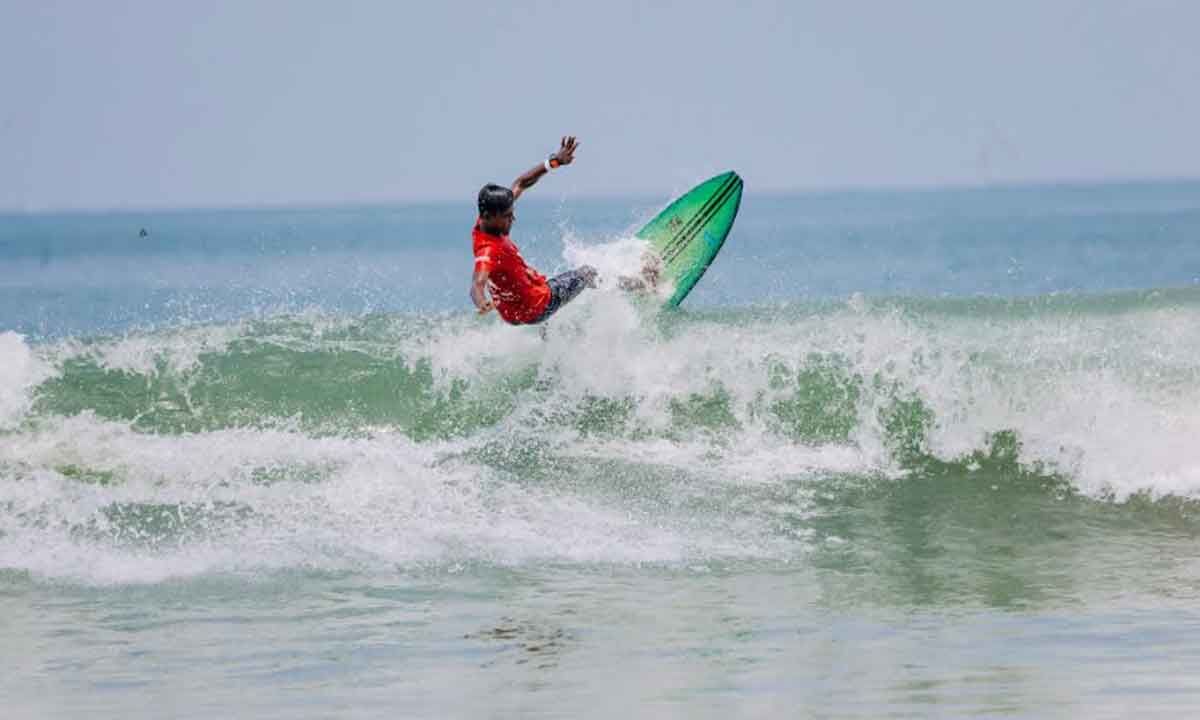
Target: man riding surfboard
<point>502,281</point>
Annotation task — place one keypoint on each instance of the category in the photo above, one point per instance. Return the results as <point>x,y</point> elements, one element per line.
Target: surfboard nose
<point>737,185</point>
<point>733,179</point>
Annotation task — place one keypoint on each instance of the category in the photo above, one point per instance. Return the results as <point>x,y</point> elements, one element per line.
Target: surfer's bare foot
<point>648,280</point>
<point>650,275</point>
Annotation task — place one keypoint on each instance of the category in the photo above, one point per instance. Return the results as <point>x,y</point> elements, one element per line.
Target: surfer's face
<point>499,223</point>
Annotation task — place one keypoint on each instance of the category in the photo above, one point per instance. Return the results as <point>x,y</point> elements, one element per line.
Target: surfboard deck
<point>686,236</point>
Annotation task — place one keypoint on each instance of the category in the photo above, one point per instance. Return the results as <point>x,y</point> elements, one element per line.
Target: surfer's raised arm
<point>502,280</point>
<point>564,156</point>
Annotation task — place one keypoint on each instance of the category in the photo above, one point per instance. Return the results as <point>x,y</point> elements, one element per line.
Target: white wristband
<point>546,164</point>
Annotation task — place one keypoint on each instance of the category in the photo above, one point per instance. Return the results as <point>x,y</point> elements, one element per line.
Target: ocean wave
<point>619,436</point>
<point>897,382</point>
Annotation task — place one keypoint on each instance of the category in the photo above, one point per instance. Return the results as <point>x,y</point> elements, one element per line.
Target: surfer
<point>502,280</point>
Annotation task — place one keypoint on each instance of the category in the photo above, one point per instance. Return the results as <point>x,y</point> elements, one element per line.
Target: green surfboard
<point>686,236</point>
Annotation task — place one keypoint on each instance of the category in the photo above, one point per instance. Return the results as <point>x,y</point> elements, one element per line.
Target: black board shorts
<point>564,288</point>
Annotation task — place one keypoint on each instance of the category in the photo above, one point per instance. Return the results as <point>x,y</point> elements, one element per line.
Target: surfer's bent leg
<point>565,287</point>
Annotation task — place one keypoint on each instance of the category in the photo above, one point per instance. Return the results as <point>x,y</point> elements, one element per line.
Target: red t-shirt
<point>519,291</point>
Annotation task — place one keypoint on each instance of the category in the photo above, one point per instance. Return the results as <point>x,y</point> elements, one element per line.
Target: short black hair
<point>494,199</point>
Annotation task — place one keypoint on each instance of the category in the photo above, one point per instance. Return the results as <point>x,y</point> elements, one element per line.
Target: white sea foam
<point>1108,400</point>
<point>21,370</point>
<point>252,500</point>
<point>620,257</point>
<point>175,350</point>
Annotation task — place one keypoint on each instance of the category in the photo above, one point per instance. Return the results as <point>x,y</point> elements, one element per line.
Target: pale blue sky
<point>160,104</point>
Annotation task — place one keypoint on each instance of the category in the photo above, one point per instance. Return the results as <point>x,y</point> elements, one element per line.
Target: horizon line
<point>302,205</point>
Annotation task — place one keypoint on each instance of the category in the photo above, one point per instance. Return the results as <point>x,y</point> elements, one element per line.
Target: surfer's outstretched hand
<point>566,151</point>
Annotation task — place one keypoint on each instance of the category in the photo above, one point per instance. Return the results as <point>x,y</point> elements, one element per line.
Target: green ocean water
<point>866,501</point>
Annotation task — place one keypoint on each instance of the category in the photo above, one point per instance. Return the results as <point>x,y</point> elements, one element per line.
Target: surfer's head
<point>496,209</point>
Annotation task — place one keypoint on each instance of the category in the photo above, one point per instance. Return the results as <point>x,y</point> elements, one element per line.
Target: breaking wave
<point>618,437</point>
